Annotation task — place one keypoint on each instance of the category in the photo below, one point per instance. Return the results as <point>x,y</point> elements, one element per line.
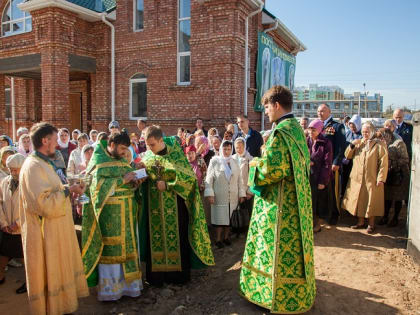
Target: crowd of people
<point>196,181</point>
<point>359,168</point>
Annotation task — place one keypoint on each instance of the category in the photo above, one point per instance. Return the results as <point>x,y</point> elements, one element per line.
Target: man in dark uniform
<point>404,130</point>
<point>335,132</point>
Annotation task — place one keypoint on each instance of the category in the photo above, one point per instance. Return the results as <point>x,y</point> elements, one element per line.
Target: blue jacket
<point>406,133</point>
<point>253,142</point>
<point>335,132</point>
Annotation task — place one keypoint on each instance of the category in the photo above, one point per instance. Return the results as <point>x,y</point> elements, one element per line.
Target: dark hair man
<point>199,126</point>
<point>280,181</point>
<point>174,208</point>
<point>112,194</point>
<point>253,139</point>
<point>47,229</point>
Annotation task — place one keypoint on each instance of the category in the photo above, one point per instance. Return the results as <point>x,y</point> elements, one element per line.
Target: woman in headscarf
<point>87,153</point>
<point>353,133</point>
<point>5,152</point>
<point>75,166</point>
<point>203,149</point>
<point>397,184</point>
<point>191,153</point>
<point>74,135</point>
<point>5,141</point>
<point>93,136</point>
<point>321,153</point>
<point>224,190</point>
<point>25,145</point>
<point>64,145</point>
<point>243,158</point>
<point>11,241</point>
<point>364,195</point>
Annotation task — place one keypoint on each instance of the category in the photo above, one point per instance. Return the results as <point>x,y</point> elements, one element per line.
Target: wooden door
<point>75,111</point>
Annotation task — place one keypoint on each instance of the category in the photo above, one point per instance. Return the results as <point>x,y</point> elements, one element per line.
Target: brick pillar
<point>55,86</point>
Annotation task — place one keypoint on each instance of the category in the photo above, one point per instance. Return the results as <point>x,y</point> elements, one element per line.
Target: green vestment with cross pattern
<point>109,226</point>
<point>278,266</point>
<point>162,212</point>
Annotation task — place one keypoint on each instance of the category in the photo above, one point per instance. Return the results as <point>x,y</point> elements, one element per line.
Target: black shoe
<point>383,221</point>
<point>22,289</point>
<point>3,280</point>
<point>333,221</point>
<point>220,244</point>
<point>227,242</point>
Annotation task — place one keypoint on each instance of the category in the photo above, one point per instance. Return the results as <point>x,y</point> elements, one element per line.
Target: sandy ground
<point>356,273</point>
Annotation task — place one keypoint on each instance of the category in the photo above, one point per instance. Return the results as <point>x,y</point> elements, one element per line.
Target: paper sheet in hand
<point>141,173</point>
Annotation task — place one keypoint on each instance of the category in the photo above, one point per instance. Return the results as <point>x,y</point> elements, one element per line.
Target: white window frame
<point>141,80</point>
<point>181,54</point>
<point>135,15</point>
<point>27,16</point>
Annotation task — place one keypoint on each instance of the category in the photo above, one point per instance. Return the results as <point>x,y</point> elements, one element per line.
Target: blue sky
<point>349,43</point>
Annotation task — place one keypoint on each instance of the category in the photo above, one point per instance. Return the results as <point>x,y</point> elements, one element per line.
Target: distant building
<point>174,61</point>
<point>316,92</point>
<point>307,100</point>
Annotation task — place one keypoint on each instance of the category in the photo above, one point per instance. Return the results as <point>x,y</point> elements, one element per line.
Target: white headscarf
<point>225,161</point>
<point>15,161</point>
<point>21,149</point>
<point>60,143</point>
<point>357,121</point>
<point>244,155</point>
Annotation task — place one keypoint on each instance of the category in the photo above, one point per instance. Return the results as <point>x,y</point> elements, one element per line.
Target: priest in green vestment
<point>173,231</point>
<point>109,226</point>
<point>278,266</point>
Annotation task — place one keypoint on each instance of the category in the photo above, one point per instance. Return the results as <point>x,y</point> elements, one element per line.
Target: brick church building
<point>80,63</point>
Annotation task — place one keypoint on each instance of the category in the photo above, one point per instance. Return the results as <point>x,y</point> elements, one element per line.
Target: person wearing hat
<point>114,127</point>
<point>5,152</point>
<point>320,150</point>
<point>11,242</point>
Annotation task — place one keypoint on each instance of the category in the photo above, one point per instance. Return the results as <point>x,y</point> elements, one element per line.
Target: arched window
<point>138,96</point>
<point>14,21</point>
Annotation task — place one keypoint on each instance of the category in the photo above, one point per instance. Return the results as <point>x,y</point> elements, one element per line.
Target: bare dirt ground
<point>356,273</point>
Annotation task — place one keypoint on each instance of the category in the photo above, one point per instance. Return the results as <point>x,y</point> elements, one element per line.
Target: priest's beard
<point>115,155</point>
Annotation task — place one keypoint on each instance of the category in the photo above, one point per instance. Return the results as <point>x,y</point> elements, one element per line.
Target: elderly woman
<point>5,152</point>
<point>392,125</point>
<point>224,190</point>
<point>364,195</point>
<point>321,153</point>
<point>243,158</point>
<point>203,149</point>
<point>25,145</point>
<point>11,242</point>
<point>397,184</point>
<point>75,161</point>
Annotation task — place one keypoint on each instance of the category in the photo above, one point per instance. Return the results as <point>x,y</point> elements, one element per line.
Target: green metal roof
<point>96,5</point>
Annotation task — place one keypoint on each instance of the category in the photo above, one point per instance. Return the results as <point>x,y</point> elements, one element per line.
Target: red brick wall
<point>217,65</point>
